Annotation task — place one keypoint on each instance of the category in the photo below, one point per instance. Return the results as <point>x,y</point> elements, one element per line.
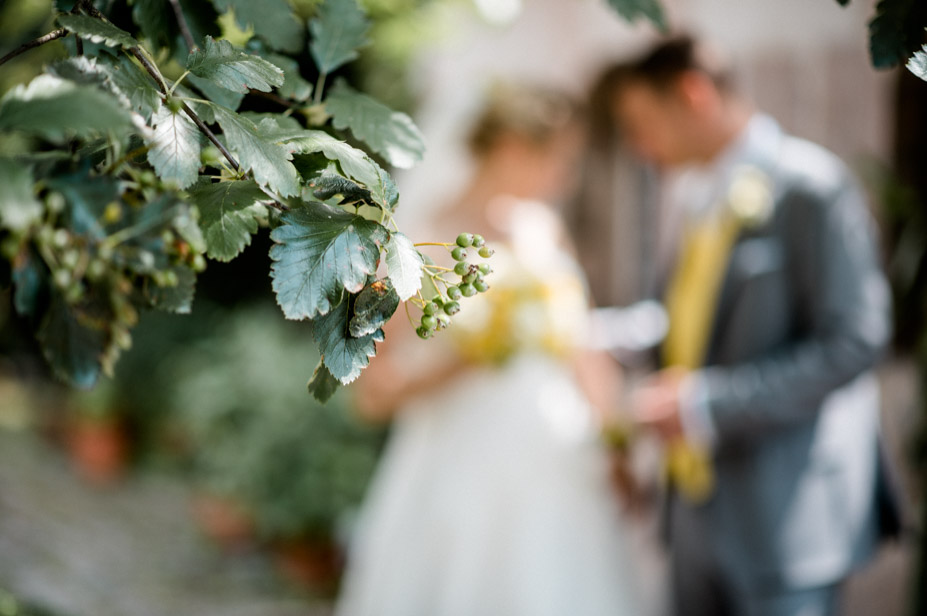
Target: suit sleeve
<point>842,316</point>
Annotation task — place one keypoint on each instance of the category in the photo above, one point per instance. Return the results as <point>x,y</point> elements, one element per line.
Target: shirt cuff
<point>694,414</point>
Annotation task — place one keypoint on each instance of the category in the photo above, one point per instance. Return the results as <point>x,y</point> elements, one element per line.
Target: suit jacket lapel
<point>764,156</point>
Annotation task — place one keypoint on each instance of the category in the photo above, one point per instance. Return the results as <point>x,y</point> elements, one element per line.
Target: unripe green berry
<point>480,286</point>
<point>467,290</point>
<point>430,308</point>
<point>459,254</point>
<point>105,252</point>
<point>469,278</point>
<point>62,278</point>
<point>147,178</point>
<point>46,236</point>
<point>486,252</point>
<point>465,239</point>
<point>198,264</point>
<point>423,333</point>
<point>96,269</point>
<point>61,238</point>
<point>454,293</point>
<point>70,258</point>
<point>210,155</point>
<point>170,278</point>
<point>443,321</point>
<point>478,241</point>
<point>485,269</point>
<point>112,213</point>
<point>451,308</point>
<point>146,259</point>
<point>74,293</point>
<point>10,247</point>
<point>429,322</point>
<point>55,202</point>
<point>122,338</point>
<point>461,268</point>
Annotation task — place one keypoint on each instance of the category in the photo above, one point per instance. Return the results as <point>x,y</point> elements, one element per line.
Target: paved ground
<point>134,550</point>
<point>130,550</point>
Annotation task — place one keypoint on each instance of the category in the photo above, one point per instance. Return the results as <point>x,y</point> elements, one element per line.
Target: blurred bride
<point>493,497</point>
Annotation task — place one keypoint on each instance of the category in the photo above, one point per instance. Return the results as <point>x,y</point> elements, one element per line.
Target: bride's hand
<point>631,493</point>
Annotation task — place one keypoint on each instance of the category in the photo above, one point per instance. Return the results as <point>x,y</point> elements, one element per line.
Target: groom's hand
<point>656,404</point>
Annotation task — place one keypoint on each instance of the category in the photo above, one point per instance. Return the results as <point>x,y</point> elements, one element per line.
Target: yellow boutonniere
<point>750,197</point>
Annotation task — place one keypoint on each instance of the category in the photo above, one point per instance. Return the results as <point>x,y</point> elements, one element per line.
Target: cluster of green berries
<point>437,312</point>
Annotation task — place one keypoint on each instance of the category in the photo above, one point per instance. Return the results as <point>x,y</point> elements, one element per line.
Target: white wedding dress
<point>492,498</point>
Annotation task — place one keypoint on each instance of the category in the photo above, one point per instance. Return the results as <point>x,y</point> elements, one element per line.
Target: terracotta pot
<point>224,520</point>
<point>99,449</point>
<point>315,564</point>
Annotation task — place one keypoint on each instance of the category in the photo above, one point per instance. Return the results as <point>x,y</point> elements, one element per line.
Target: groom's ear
<point>695,91</point>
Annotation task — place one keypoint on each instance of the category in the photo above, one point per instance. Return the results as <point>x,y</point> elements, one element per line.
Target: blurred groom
<point>777,311</point>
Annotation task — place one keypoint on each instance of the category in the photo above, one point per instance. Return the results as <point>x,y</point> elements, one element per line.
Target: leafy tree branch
<point>46,38</point>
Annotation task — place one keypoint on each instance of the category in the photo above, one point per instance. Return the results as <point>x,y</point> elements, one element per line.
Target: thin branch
<point>272,97</point>
<point>211,136</point>
<point>275,202</point>
<point>184,26</point>
<point>51,36</point>
<point>129,156</point>
<point>148,66</point>
<point>319,84</point>
<point>153,71</point>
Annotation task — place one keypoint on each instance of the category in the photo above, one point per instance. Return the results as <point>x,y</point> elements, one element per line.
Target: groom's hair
<point>664,64</point>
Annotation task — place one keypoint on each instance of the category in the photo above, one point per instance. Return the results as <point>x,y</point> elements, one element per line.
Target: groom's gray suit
<point>788,397</point>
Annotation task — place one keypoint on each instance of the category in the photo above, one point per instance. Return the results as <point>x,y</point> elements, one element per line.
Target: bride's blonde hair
<point>533,113</point>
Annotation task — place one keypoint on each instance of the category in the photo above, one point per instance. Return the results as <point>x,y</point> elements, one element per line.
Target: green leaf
<point>80,70</point>
<point>217,94</point>
<point>233,69</point>
<point>373,308</point>
<point>391,134</point>
<point>72,344</point>
<point>56,109</point>
<point>269,162</point>
<point>354,163</point>
<point>96,30</point>
<point>204,109</point>
<point>138,91</point>
<point>178,298</point>
<point>896,31</point>
<point>185,225</point>
<point>153,17</point>
<point>338,30</point>
<point>328,184</point>
<point>404,264</point>
<point>272,20</point>
<point>344,355</point>
<point>631,10</point>
<point>323,385</point>
<point>29,274</point>
<point>87,197</point>
<point>917,63</point>
<point>174,147</point>
<point>320,252</point>
<point>270,124</point>
<point>19,209</point>
<point>228,215</point>
<point>294,87</point>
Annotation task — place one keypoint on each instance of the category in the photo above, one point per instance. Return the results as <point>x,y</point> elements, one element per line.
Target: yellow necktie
<point>691,300</point>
